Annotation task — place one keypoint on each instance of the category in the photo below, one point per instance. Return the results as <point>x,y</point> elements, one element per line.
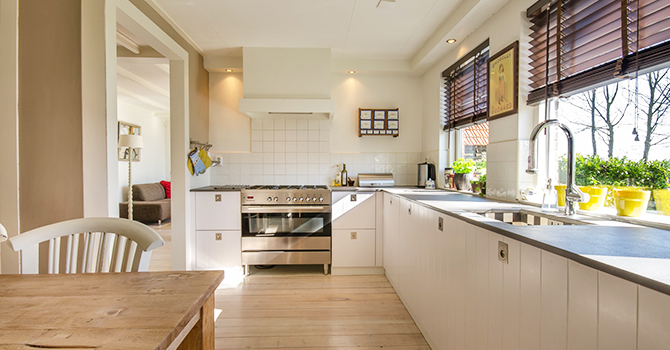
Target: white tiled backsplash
<point>297,151</point>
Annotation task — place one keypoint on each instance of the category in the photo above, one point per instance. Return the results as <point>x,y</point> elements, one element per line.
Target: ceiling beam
<point>127,43</point>
<point>138,79</point>
<point>150,102</point>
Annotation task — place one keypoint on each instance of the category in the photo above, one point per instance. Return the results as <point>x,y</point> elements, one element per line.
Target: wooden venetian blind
<point>465,89</point>
<point>576,44</point>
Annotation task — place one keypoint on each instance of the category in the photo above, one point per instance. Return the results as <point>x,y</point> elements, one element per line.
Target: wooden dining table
<point>133,310</point>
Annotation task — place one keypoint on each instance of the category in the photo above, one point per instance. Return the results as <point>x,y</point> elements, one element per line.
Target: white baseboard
<point>350,271</point>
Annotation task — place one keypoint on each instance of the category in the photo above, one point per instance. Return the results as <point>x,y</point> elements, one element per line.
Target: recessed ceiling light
<point>451,41</point>
<point>352,72</point>
<point>228,70</point>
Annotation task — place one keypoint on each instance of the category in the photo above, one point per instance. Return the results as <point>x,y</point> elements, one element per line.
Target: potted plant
<point>482,184</point>
<point>463,173</point>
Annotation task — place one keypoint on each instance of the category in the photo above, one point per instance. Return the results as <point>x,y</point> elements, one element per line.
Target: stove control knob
<point>302,199</point>
<point>308,199</point>
<point>320,199</point>
<point>288,199</point>
<point>269,199</point>
<point>295,199</point>
<point>314,199</point>
<point>276,199</point>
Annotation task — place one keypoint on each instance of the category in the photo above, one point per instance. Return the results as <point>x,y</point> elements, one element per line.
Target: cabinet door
<point>653,320</point>
<point>353,210</point>
<point>218,249</point>
<point>353,248</point>
<point>217,211</point>
<point>390,240</point>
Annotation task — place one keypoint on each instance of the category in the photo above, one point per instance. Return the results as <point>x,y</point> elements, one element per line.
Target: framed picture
<point>393,114</point>
<point>129,129</point>
<point>379,124</point>
<point>376,132</point>
<point>380,115</point>
<point>392,125</point>
<point>366,124</point>
<point>366,114</point>
<point>503,82</point>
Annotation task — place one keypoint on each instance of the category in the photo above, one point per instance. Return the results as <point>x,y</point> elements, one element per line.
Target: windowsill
<point>649,219</point>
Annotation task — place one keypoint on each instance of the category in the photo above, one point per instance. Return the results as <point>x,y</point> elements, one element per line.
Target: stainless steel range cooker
<point>286,225</point>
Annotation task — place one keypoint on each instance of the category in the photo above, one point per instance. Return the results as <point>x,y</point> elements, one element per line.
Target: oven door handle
<point>286,209</point>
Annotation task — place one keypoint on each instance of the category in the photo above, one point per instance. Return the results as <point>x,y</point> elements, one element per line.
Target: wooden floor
<point>299,308</point>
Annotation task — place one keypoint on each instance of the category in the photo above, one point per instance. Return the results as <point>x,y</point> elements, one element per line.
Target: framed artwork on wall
<point>503,82</point>
<point>366,114</point>
<point>380,115</point>
<point>378,122</point>
<point>129,129</point>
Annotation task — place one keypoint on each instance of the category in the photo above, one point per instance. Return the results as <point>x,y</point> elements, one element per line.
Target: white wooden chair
<point>3,233</point>
<point>87,245</point>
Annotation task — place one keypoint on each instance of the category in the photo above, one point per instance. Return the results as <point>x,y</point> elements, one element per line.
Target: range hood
<point>287,83</point>
<point>287,108</point>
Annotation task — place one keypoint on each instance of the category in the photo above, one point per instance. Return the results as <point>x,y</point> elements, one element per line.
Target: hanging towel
<point>205,158</point>
<point>198,167</point>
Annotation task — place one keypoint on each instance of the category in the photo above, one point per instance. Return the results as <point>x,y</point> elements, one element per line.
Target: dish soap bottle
<point>550,199</point>
<point>338,177</point>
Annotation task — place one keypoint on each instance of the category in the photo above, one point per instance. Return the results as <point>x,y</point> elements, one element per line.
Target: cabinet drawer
<point>353,252</point>
<point>354,210</point>
<point>217,211</point>
<point>217,250</point>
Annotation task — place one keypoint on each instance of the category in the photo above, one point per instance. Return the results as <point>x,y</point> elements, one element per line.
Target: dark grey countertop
<point>216,188</point>
<point>636,253</point>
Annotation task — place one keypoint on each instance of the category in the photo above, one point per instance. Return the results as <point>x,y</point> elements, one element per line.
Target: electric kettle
<point>426,171</point>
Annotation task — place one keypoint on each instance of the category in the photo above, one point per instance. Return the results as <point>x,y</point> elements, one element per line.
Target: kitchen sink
<point>521,217</point>
<point>442,196</point>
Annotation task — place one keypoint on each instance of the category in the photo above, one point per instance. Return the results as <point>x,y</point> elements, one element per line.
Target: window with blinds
<point>465,89</point>
<point>577,44</point>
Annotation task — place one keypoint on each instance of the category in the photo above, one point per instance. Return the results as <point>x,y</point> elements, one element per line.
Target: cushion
<point>148,192</point>
<point>166,186</point>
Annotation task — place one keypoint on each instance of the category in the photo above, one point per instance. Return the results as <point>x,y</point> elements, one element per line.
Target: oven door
<point>286,221</point>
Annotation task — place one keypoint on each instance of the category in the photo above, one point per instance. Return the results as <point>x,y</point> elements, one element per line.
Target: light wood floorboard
<point>317,312</point>
<point>161,258</point>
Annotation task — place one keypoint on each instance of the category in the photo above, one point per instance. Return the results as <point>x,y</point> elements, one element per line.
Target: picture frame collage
<point>377,122</point>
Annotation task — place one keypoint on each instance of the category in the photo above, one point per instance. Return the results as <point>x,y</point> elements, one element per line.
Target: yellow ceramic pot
<point>631,202</point>
<point>598,196</point>
<point>662,198</point>
<point>560,191</point>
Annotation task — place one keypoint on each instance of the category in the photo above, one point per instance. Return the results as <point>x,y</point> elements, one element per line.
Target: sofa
<point>150,204</point>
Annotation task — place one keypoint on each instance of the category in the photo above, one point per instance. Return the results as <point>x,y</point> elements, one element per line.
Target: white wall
<point>292,151</point>
<point>507,150</point>
<point>153,165</point>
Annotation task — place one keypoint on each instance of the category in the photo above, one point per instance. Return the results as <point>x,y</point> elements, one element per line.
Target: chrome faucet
<point>572,193</point>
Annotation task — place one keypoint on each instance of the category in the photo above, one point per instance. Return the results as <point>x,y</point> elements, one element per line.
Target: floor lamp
<point>131,142</point>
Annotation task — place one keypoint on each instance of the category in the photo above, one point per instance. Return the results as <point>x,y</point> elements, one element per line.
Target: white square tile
<point>290,158</point>
<point>280,179</point>
<point>268,169</point>
<point>235,179</point>
<point>280,146</point>
<point>324,169</point>
<point>313,158</point>
<point>280,135</point>
<point>290,124</point>
<point>412,157</point>
<point>268,158</point>
<point>324,158</point>
<point>291,179</point>
<point>280,124</point>
<point>256,169</point>
<point>324,135</point>
<point>302,146</point>
<point>268,146</point>
<point>302,135</point>
<point>256,146</point>
<point>336,158</point>
<point>235,158</point>
<point>245,178</point>
<point>302,179</point>
<point>402,169</point>
<point>245,169</point>
<point>257,179</point>
<point>225,158</point>
<point>313,169</point>
<point>314,147</point>
<point>223,179</point>
<point>302,124</point>
<point>280,158</point>
<point>401,158</point>
<point>324,146</point>
<point>256,124</point>
<point>391,158</point>
<point>380,168</point>
<point>291,146</point>
<point>314,180</point>
<point>380,158</point>
<point>268,180</point>
<point>256,135</point>
<point>356,158</point>
<point>314,124</point>
<point>324,125</point>
<point>301,169</point>
<point>302,157</point>
<point>390,168</point>
<point>367,168</point>
<point>314,135</point>
<point>223,170</point>
<point>291,169</point>
<point>268,135</point>
<point>268,124</point>
<point>291,135</point>
<point>280,169</point>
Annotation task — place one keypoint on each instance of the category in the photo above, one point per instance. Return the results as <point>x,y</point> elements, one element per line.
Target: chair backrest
<point>87,245</point>
<point>3,233</point>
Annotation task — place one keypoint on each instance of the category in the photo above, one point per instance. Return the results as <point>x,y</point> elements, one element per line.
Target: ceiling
<point>144,83</point>
<point>414,31</point>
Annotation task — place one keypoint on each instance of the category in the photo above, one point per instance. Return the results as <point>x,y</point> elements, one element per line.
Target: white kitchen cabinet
<point>511,327</point>
<point>582,307</point>
<point>390,236</point>
<point>530,305</point>
<point>654,320</point>
<point>617,313</point>
<point>554,319</point>
<point>217,210</point>
<point>353,248</point>
<point>218,249</point>
<point>353,210</point>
